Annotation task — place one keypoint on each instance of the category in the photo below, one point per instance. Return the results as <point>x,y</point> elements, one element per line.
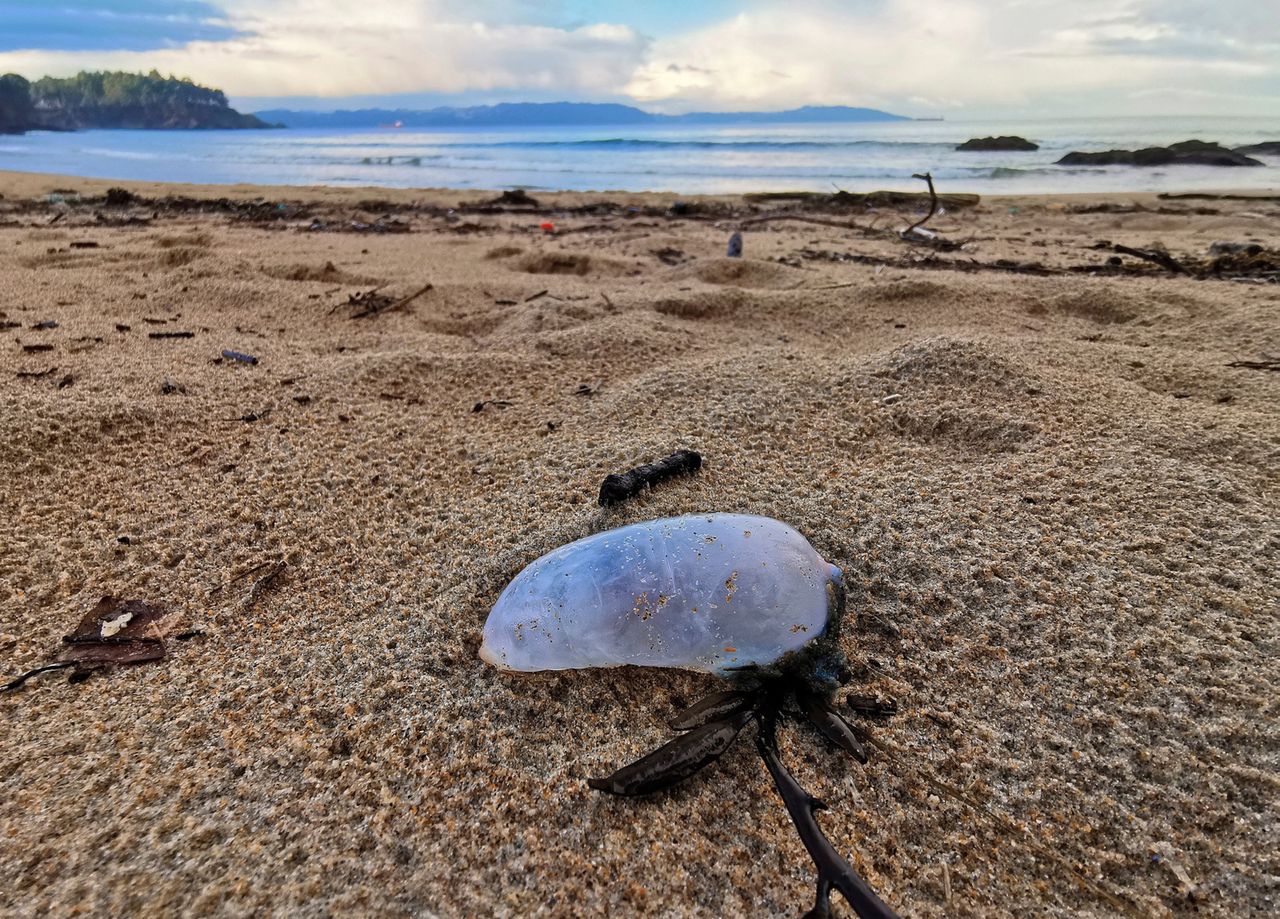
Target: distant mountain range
<point>558,114</point>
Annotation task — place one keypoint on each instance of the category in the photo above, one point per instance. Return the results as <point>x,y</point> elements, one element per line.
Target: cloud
<point>997,55</point>
<point>353,47</point>
<point>917,56</point>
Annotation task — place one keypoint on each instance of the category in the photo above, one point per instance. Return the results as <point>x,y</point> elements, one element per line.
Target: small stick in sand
<point>1163,259</point>
<point>264,583</point>
<point>618,488</point>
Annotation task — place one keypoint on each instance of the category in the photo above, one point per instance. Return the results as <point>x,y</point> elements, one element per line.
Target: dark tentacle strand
<point>675,761</point>
<point>822,904</point>
<point>714,707</point>
<point>833,870</point>
<point>818,711</point>
<point>871,707</point>
<point>18,681</point>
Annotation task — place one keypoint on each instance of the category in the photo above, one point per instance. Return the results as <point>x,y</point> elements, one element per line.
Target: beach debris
<point>46,324</point>
<point>373,302</point>
<point>1271,364</point>
<point>169,388</point>
<point>66,381</point>
<point>618,487</point>
<point>538,296</point>
<point>83,244</point>
<point>496,403</point>
<point>915,233</point>
<point>735,246</point>
<point>36,349</point>
<point>1159,257</point>
<point>547,226</point>
<point>1225,248</point>
<point>114,632</point>
<point>241,358</point>
<point>35,374</point>
<point>515,197</point>
<point>1163,854</point>
<point>171,335</point>
<point>265,584</point>
<point>586,389</point>
<point>119,197</point>
<point>729,569</point>
<point>669,256</point>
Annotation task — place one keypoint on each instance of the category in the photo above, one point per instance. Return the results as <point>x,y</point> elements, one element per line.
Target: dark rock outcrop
<point>16,113</point>
<point>1186,153</point>
<point>1266,148</point>
<point>997,143</point>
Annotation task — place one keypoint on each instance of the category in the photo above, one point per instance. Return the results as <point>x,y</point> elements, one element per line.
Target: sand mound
<point>1100,305</point>
<point>328,273</point>
<point>498,252</point>
<point>715,305</point>
<point>952,362</point>
<point>909,290</point>
<point>176,258</point>
<point>571,263</point>
<point>740,272</point>
<point>183,240</point>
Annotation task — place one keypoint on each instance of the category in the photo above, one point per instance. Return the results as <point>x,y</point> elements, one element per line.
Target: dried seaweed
<point>114,632</point>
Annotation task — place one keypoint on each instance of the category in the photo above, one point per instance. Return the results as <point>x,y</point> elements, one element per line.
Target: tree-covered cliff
<point>115,100</point>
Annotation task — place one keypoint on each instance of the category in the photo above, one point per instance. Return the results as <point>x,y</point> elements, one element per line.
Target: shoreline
<point>36,184</point>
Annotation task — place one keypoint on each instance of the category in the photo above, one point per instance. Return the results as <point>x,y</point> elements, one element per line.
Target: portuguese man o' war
<point>710,592</point>
<point>746,598</point>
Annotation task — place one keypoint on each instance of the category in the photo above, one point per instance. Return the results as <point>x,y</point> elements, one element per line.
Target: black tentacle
<point>871,707</point>
<point>18,681</point>
<point>833,870</point>
<point>714,707</point>
<point>676,760</point>
<point>819,713</point>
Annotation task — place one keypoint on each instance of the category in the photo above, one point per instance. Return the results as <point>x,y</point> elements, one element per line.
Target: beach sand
<point>1055,505</point>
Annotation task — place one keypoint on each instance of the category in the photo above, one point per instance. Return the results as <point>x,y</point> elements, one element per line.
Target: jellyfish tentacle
<point>677,759</point>
<point>819,713</point>
<point>833,869</point>
<point>714,707</point>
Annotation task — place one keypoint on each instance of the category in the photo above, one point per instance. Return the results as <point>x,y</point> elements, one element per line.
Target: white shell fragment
<point>703,592</point>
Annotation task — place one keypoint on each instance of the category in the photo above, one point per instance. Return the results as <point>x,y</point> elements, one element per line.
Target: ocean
<point>688,159</point>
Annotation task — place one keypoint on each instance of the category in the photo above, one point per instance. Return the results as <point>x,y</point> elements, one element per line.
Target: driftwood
<point>933,204</point>
<point>1163,259</point>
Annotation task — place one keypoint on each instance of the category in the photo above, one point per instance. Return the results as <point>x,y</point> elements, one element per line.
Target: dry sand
<point>1060,537</point>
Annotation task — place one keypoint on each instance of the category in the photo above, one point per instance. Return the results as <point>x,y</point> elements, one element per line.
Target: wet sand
<point>1054,502</point>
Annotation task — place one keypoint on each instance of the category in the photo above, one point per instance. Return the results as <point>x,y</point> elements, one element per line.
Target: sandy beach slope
<point>1054,501</point>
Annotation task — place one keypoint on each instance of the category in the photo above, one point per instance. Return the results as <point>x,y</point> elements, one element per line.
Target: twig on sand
<point>1163,259</point>
<point>376,309</point>
<point>769,218</point>
<point>264,583</point>
<point>933,205</point>
<point>1256,365</point>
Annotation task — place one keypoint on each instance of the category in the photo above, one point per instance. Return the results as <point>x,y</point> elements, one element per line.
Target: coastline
<point>21,184</point>
<point>1049,492</point>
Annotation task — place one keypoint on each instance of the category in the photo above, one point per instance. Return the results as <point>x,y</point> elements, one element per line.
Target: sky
<point>952,58</point>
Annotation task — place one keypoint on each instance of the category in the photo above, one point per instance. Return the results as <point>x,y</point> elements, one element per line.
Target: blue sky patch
<point>108,25</point>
